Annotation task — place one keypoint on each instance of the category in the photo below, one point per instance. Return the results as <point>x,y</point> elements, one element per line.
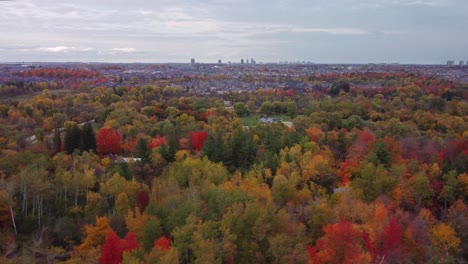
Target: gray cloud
<point>164,30</point>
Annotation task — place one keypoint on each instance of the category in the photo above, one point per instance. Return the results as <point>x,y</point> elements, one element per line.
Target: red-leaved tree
<point>341,244</point>
<point>111,252</point>
<point>142,200</point>
<point>163,243</point>
<point>346,170</point>
<point>108,141</point>
<point>389,243</point>
<point>198,139</point>
<point>157,141</point>
<point>129,243</point>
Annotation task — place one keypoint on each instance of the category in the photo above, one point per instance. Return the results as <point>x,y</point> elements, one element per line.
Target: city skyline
<point>333,31</point>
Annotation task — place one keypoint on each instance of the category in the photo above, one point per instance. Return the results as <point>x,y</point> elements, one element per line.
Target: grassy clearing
<point>26,97</point>
<point>253,119</point>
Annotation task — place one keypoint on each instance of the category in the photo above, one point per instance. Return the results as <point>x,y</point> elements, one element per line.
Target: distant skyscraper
<point>242,61</point>
<point>462,63</point>
<point>219,62</point>
<point>450,63</point>
<point>192,61</point>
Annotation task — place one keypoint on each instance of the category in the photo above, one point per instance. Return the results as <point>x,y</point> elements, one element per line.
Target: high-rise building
<point>192,61</point>
<point>242,61</point>
<point>450,63</point>
<point>462,63</point>
<point>219,62</point>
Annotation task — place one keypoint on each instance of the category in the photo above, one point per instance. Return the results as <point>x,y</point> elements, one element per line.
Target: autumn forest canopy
<point>357,167</point>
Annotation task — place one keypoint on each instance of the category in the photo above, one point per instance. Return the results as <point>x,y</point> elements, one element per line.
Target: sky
<point>159,31</point>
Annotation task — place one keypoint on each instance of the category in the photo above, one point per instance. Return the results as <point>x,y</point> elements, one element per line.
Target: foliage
<point>198,138</point>
<point>366,175</point>
<point>95,235</point>
<point>108,141</point>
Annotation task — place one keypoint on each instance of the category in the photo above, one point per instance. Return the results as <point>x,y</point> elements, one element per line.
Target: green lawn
<point>253,119</point>
<point>26,97</point>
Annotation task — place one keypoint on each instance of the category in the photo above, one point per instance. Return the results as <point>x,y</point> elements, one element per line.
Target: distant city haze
<point>321,31</point>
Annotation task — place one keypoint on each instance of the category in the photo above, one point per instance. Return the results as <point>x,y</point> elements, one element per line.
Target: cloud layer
<point>162,31</point>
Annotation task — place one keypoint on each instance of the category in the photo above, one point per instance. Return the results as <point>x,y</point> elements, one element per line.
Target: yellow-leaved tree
<point>444,238</point>
<point>95,235</point>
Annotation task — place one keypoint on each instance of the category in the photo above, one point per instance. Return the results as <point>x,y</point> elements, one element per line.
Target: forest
<point>151,172</point>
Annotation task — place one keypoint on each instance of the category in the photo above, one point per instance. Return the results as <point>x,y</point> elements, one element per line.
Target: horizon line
<point>281,62</point>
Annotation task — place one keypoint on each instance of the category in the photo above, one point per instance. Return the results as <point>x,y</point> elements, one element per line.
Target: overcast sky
<point>322,31</point>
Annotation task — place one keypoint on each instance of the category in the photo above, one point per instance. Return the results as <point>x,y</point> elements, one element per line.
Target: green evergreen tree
<point>142,151</point>
<point>57,141</point>
<point>67,144</point>
<point>72,138</point>
<point>76,137</point>
<point>243,150</point>
<point>215,149</point>
<point>169,150</point>
<point>88,138</point>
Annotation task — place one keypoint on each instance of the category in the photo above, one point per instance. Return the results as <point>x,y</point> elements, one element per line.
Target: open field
<point>26,97</point>
<point>253,119</point>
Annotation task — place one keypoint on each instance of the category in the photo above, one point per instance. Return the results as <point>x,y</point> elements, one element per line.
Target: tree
<point>57,141</point>
<point>373,181</point>
<point>198,139</point>
<point>291,109</point>
<point>72,138</point>
<point>108,141</point>
<point>315,134</point>
<point>341,244</point>
<point>142,151</point>
<point>111,252</point>
<point>6,212</point>
<point>243,150</point>
<point>163,243</point>
<point>282,189</point>
<point>347,169</point>
<point>129,243</point>
<point>169,150</point>
<point>422,189</point>
<point>448,191</point>
<point>95,235</point>
<point>121,204</point>
<point>157,141</point>
<point>142,200</point>
<point>241,109</point>
<point>151,231</point>
<point>266,108</point>
<point>457,217</point>
<point>339,86</point>
<point>88,138</point>
<point>382,154</point>
<point>215,149</point>
<point>444,238</point>
<point>388,243</point>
